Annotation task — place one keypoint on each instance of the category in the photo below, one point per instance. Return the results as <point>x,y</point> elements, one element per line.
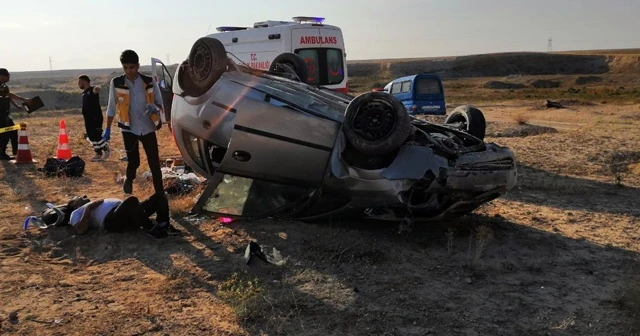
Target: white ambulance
<point>320,45</point>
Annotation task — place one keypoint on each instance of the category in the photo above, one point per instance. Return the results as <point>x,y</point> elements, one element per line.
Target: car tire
<point>376,123</point>
<point>472,120</point>
<point>206,63</point>
<point>296,62</point>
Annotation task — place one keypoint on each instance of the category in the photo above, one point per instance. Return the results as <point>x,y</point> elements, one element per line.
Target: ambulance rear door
<point>322,49</point>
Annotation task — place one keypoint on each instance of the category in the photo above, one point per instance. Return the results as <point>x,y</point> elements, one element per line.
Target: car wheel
<point>206,63</point>
<point>297,64</point>
<point>376,123</point>
<point>470,119</point>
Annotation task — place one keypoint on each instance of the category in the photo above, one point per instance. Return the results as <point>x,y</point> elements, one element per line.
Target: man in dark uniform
<point>6,99</point>
<point>92,114</point>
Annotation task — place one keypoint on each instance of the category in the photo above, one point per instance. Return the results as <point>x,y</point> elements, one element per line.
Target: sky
<point>91,34</point>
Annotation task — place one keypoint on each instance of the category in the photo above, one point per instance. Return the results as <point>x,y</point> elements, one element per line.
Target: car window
<point>239,196</point>
<point>428,86</point>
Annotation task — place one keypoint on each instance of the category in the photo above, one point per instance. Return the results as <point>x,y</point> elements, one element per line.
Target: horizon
<point>92,38</point>
<point>399,59</point>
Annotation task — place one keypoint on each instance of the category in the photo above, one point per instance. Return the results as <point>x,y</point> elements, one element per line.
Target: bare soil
<point>559,255</point>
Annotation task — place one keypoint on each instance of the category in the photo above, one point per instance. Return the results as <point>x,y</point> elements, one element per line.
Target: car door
<point>276,158</point>
<point>162,78</point>
<point>274,142</point>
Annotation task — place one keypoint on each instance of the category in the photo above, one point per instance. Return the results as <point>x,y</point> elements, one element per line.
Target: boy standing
<point>92,114</point>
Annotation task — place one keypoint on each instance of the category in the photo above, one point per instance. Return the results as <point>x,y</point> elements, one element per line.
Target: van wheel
<point>207,62</point>
<point>376,123</point>
<point>281,64</point>
<point>469,119</point>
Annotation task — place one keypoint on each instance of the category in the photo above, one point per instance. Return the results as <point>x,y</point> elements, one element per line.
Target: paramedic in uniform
<point>6,99</point>
<point>134,101</point>
<point>92,115</point>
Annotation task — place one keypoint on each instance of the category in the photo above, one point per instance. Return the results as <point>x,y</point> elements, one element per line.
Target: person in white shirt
<point>115,215</point>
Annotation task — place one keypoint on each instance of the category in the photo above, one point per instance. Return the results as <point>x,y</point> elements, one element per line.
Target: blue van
<point>420,94</point>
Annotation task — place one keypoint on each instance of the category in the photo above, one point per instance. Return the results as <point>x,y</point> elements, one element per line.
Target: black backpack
<point>73,167</point>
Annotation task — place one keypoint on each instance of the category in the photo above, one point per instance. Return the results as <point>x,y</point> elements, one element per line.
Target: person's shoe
<point>158,232</point>
<point>106,153</point>
<point>4,156</point>
<point>96,158</point>
<point>171,230</point>
<point>127,186</point>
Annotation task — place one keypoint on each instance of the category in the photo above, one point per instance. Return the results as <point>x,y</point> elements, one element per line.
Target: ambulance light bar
<point>227,29</point>
<point>300,19</point>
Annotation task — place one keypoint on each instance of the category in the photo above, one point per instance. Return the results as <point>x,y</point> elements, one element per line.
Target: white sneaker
<point>96,158</point>
<point>106,154</point>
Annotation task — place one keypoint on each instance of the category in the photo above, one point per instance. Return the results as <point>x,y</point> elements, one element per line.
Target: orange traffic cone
<point>64,149</point>
<point>24,152</point>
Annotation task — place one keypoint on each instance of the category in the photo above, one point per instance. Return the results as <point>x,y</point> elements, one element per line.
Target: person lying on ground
<point>115,215</point>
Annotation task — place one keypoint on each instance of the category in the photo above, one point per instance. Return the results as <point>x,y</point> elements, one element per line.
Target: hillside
<point>471,77</point>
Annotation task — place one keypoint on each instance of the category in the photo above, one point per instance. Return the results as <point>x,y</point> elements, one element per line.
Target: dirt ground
<point>559,255</point>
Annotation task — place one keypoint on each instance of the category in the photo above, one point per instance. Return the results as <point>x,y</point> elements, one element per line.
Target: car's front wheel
<point>469,119</point>
<point>206,63</point>
<point>376,123</point>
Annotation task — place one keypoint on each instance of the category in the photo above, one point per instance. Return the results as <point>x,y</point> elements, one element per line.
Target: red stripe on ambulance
<point>318,40</point>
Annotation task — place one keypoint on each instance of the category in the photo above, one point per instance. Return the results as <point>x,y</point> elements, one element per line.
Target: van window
<point>406,86</point>
<point>395,88</point>
<point>428,86</point>
<point>326,66</point>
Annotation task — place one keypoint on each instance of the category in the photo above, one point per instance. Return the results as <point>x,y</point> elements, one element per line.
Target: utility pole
<point>550,44</point>
<point>50,64</point>
<point>168,59</point>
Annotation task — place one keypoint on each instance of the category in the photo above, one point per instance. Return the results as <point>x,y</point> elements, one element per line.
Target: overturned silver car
<point>272,146</point>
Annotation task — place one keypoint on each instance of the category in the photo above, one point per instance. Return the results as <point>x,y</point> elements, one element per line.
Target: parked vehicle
<point>269,43</point>
<point>420,94</point>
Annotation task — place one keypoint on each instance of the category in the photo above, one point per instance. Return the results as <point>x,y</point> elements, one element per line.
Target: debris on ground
<point>254,249</point>
<point>13,317</point>
<point>552,104</point>
<point>177,177</point>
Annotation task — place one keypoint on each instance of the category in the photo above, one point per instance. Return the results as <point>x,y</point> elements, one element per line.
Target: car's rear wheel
<point>469,119</point>
<point>284,63</point>
<point>376,123</point>
<point>206,63</point>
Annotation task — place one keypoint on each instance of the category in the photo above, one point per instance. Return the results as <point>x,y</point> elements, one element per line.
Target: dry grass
<point>566,236</point>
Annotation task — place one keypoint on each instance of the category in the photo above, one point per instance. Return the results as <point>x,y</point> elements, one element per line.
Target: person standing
<point>6,99</point>
<point>92,114</point>
<point>135,101</point>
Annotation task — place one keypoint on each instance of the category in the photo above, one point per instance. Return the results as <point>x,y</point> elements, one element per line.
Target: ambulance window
<point>335,66</point>
<point>310,56</point>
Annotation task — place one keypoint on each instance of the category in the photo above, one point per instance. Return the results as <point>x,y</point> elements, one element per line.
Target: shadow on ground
<point>540,187</point>
<point>346,278</point>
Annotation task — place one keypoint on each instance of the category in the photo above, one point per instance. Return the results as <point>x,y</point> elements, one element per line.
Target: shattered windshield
<point>239,196</point>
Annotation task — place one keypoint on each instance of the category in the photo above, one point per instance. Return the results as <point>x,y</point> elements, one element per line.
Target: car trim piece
<point>223,106</point>
<point>282,138</point>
